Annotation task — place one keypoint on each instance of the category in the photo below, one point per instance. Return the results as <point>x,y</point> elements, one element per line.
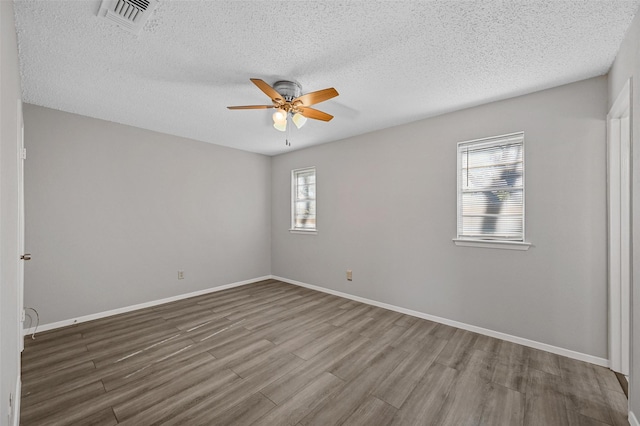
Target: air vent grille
<point>130,10</point>
<point>140,4</point>
<point>129,14</point>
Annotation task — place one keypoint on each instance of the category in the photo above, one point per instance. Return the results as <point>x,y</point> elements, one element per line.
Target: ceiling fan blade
<point>316,97</point>
<point>251,107</point>
<point>268,90</point>
<point>315,114</point>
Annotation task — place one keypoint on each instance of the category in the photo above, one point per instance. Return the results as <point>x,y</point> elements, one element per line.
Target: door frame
<point>21,246</point>
<point>619,130</point>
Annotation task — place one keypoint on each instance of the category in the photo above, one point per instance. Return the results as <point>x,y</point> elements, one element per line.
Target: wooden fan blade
<point>315,114</point>
<point>316,97</point>
<point>268,90</point>
<point>251,107</point>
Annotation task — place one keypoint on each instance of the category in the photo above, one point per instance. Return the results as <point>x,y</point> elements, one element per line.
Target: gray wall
<point>9,296</point>
<point>387,210</point>
<point>626,65</point>
<point>114,211</point>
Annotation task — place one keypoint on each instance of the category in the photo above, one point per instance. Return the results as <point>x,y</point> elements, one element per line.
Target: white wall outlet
<point>180,274</point>
<point>349,275</point>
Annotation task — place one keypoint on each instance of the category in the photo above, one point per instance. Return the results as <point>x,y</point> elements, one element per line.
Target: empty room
<point>319,212</point>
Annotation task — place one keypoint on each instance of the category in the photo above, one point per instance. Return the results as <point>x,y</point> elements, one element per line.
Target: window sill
<point>304,231</point>
<point>504,245</point>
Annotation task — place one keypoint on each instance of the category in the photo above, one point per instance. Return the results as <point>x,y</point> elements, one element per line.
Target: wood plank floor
<point>271,353</point>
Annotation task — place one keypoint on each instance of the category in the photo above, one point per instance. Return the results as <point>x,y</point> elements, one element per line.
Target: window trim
<point>293,229</point>
<point>494,244</point>
<point>490,243</point>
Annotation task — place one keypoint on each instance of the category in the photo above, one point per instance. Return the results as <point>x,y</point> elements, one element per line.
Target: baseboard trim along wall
<point>498,335</point>
<point>633,420</point>
<point>491,333</point>
<point>91,317</point>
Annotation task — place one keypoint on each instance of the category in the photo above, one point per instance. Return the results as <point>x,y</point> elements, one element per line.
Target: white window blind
<point>491,188</point>
<point>303,199</point>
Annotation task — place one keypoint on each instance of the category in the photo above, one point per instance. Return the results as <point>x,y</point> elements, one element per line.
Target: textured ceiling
<point>392,61</point>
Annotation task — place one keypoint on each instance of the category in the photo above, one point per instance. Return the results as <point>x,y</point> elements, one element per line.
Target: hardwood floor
<point>271,353</point>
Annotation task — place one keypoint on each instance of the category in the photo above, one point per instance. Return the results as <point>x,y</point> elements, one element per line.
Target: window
<point>303,200</point>
<point>491,192</point>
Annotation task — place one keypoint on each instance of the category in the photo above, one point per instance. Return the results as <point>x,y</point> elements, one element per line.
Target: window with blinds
<point>491,188</point>
<point>303,199</point>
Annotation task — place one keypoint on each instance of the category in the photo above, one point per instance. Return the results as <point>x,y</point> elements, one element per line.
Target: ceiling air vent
<point>129,14</point>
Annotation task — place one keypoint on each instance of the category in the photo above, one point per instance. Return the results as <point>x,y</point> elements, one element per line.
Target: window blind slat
<point>497,176</point>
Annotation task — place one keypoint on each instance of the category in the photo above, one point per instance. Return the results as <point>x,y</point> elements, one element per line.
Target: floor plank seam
<point>260,392</point>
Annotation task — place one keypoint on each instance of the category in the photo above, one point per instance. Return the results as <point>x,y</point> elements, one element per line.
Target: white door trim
<point>21,158</point>
<point>619,219</point>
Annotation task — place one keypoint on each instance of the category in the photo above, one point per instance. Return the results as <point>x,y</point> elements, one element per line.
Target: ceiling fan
<point>287,98</point>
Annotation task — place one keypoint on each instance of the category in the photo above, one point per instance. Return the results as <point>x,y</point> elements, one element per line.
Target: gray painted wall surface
<point>114,212</point>
<point>387,210</point>
<point>9,298</point>
<point>626,65</point>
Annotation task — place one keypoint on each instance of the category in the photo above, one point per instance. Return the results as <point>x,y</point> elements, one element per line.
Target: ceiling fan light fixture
<point>299,120</point>
<point>279,117</point>
<point>287,99</point>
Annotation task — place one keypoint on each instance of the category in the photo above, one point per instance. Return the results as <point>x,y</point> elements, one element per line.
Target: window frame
<point>293,229</point>
<point>496,243</point>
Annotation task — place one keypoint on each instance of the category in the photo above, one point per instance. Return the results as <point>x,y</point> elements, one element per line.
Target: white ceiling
<point>392,61</point>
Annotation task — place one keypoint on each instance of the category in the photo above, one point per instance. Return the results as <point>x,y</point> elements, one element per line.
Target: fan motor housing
<point>288,89</point>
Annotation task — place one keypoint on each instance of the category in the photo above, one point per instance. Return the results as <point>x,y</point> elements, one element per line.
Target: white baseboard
<point>16,401</point>
<point>91,317</point>
<point>633,420</point>
<point>498,335</point>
